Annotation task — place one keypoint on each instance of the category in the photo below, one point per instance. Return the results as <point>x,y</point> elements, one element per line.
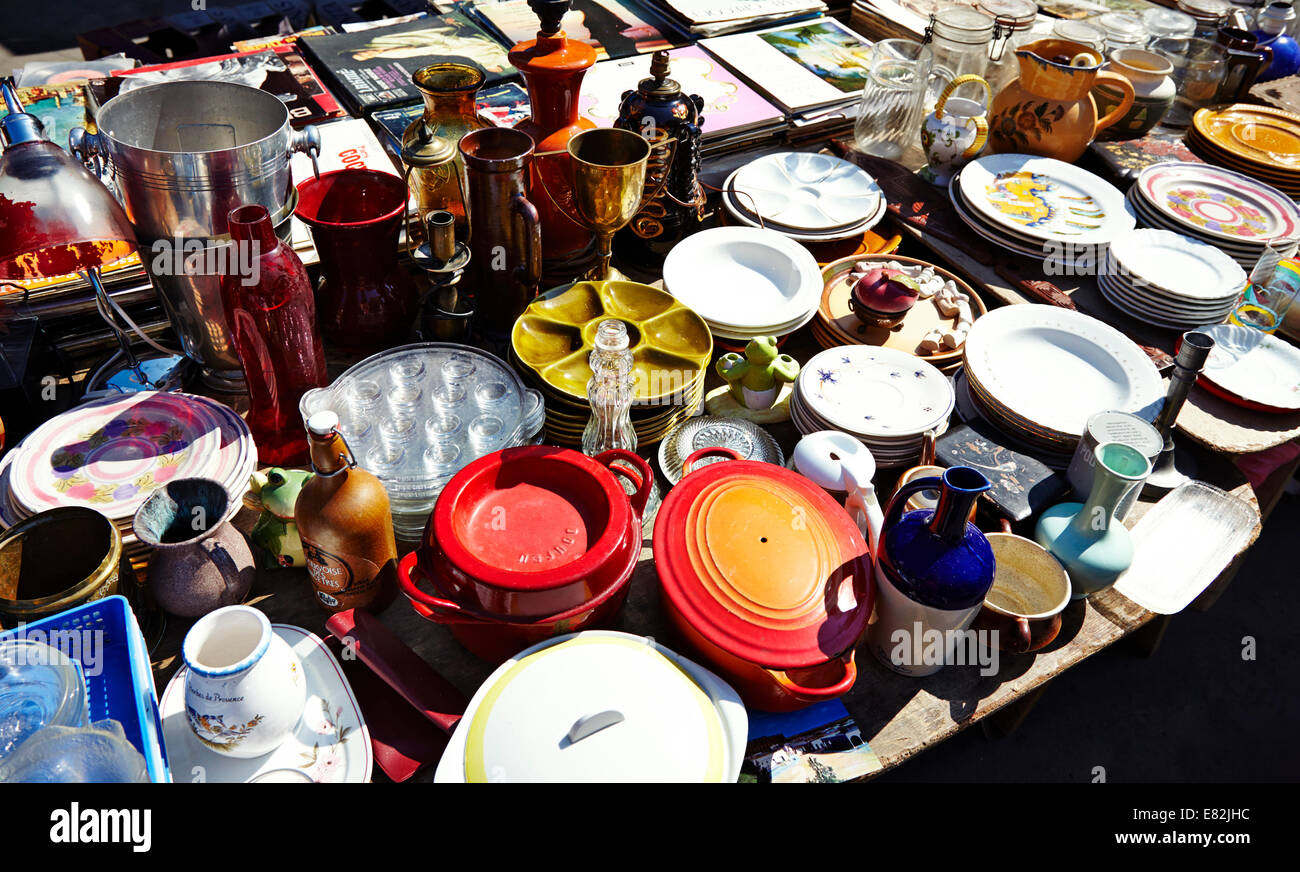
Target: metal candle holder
<point>1168,473</point>
<point>445,313</point>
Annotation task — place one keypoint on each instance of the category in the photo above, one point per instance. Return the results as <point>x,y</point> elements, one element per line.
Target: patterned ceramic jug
<point>1048,111</point>
<point>955,132</point>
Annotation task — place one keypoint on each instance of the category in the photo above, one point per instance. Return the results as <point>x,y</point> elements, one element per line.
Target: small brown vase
<point>200,561</point>
<point>1048,110</point>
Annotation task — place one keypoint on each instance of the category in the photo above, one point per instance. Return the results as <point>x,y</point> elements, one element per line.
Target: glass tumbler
<point>1199,68</point>
<point>1271,293</point>
<point>889,117</point>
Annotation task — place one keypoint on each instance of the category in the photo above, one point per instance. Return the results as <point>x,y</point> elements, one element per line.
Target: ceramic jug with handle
<point>933,570</point>
<point>1048,110</point>
<point>955,132</point>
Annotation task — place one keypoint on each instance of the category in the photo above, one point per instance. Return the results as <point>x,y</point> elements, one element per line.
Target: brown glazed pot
<point>200,561</point>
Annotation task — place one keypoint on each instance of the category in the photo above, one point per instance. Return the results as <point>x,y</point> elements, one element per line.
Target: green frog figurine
<point>275,533</point>
<point>755,379</point>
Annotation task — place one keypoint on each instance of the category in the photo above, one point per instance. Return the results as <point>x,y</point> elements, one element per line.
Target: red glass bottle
<point>272,315</point>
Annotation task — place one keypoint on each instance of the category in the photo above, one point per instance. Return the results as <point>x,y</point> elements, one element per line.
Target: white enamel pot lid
<point>599,706</point>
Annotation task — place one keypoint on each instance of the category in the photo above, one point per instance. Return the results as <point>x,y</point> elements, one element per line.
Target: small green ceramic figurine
<point>275,532</point>
<point>755,379</point>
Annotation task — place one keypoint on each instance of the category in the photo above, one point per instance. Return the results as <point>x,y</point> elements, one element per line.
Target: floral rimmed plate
<point>330,744</point>
<point>1219,203</point>
<point>1044,198</point>
<point>110,454</point>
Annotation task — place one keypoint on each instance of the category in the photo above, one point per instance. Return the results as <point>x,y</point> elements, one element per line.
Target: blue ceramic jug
<point>933,570</point>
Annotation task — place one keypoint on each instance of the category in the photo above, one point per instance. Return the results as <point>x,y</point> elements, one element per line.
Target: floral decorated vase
<point>955,132</point>
<point>244,686</point>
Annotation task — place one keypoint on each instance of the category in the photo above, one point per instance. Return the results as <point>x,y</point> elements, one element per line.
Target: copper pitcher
<point>505,242</point>
<point>1048,110</point>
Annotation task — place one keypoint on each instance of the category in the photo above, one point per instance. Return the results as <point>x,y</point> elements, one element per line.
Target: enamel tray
<point>810,192</point>
<point>331,743</point>
<point>743,278</point>
<point>1255,366</point>
<point>1218,202</point>
<point>671,344</point>
<point>1056,367</point>
<point>1044,198</point>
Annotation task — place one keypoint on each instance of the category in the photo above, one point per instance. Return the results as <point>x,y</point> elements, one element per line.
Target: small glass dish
<point>40,686</point>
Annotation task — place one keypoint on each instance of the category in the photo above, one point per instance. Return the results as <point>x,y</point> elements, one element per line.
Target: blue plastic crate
<point>122,688</point>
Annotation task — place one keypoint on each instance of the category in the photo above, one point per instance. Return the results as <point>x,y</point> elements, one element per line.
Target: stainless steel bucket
<point>183,154</point>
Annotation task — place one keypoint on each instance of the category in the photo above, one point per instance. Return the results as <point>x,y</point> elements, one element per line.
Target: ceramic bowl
<point>1029,592</point>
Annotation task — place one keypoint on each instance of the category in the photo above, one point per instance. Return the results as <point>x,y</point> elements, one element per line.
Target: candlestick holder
<point>1170,471</point>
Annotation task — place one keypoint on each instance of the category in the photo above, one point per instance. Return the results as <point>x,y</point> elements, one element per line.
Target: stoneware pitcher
<point>955,132</point>
<point>1048,110</point>
<point>933,571</point>
<point>200,562</point>
<point>244,685</point>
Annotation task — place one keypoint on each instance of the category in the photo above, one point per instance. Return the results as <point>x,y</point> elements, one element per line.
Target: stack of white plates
<point>1229,210</point>
<point>111,454</point>
<point>1170,280</point>
<point>1040,207</point>
<point>808,197</point>
<point>884,397</point>
<point>1039,372</point>
<point>745,282</point>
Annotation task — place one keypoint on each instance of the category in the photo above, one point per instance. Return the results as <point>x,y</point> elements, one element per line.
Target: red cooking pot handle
<point>643,477</point>
<point>716,451</point>
<point>818,694</point>
<point>439,610</point>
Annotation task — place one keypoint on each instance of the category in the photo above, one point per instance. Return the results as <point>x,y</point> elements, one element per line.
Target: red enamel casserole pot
<point>767,577</point>
<point>530,536</point>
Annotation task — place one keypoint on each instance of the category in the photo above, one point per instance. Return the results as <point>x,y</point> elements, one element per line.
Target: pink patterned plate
<point>110,454</point>
<point>1219,203</point>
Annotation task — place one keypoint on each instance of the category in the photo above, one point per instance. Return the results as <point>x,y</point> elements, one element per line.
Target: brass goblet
<point>609,168</point>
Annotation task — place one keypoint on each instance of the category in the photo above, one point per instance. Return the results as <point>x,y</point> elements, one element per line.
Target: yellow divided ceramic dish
<point>671,345</point>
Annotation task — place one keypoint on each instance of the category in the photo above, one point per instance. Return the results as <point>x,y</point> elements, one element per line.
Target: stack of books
<point>705,18</point>
<point>614,28</point>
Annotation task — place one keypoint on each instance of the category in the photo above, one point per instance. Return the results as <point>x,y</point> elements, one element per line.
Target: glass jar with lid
<point>1210,15</point>
<point>1013,25</point>
<point>959,39</point>
<point>1168,23</point>
<point>1123,30</point>
<point>1083,32</point>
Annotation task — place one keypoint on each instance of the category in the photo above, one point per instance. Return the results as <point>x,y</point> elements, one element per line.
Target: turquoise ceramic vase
<point>1090,543</point>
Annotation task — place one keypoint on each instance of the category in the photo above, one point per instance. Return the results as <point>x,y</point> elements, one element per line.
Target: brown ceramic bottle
<point>346,527</point>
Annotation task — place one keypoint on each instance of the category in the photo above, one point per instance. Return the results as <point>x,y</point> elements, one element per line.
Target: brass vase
<point>449,91</point>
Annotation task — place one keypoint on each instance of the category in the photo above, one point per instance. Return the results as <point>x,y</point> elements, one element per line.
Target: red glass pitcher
<point>366,300</point>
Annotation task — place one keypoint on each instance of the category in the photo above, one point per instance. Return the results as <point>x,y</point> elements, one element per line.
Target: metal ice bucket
<point>183,154</point>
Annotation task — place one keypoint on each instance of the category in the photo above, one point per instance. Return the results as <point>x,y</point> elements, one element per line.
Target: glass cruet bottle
<point>609,391</point>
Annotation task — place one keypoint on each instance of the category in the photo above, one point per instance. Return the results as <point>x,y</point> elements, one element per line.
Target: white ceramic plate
<point>1159,317</point>
<point>997,236</point>
<point>1182,267</point>
<point>1044,198</point>
<point>874,391</point>
<point>1163,307</point>
<point>331,743</point>
<point>1254,365</point>
<point>1218,202</point>
<point>1056,367</point>
<point>804,191</point>
<point>744,277</point>
<point>746,335</point>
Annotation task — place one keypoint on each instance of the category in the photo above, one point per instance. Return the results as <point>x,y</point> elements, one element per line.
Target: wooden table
<point>899,716</point>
